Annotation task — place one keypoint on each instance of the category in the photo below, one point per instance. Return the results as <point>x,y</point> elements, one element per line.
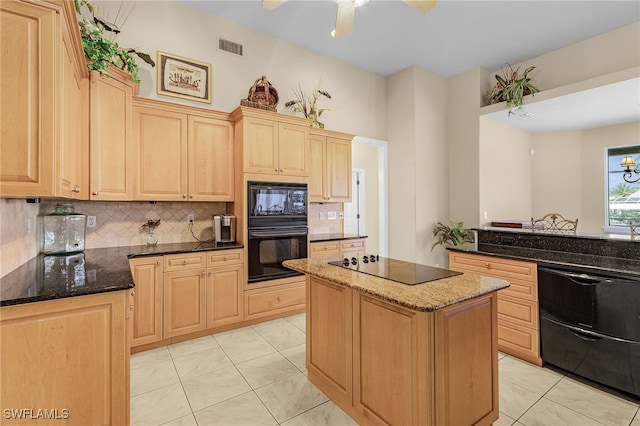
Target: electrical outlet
<point>331,215</point>
<point>91,221</point>
<point>321,215</point>
<point>190,218</point>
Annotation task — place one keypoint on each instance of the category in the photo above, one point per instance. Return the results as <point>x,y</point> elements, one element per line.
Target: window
<point>624,197</point>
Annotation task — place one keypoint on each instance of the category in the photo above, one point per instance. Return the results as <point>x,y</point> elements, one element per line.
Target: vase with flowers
<point>150,228</point>
<point>307,104</point>
<point>511,87</point>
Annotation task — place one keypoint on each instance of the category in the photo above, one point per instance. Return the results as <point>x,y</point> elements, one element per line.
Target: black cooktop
<point>395,270</point>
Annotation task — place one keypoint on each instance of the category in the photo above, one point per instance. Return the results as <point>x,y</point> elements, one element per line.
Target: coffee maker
<point>224,228</point>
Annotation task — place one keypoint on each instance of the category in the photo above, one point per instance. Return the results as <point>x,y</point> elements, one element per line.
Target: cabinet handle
<point>279,299</point>
<point>190,195</point>
<point>75,189</point>
<point>280,170</point>
<point>184,195</point>
<point>488,265</point>
<point>276,170</point>
<point>184,262</point>
<point>95,193</point>
<point>203,274</point>
<point>210,274</point>
<point>133,293</point>
<point>159,262</point>
<point>131,307</point>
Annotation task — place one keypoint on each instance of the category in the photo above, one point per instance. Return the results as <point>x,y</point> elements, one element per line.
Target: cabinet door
<point>71,150</point>
<point>317,169</point>
<point>293,150</point>
<point>224,295</point>
<point>184,302</point>
<point>338,170</point>
<point>260,146</point>
<point>329,338</point>
<point>28,116</point>
<point>111,150</point>
<point>161,154</point>
<point>210,159</point>
<point>147,313</point>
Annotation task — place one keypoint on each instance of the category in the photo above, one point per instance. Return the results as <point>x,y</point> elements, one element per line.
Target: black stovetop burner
<point>395,270</point>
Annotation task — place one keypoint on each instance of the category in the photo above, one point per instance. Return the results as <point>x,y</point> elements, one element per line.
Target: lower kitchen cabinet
<point>362,349</point>
<point>518,322</point>
<point>277,299</point>
<point>225,277</point>
<point>345,248</point>
<point>184,302</point>
<point>67,356</point>
<point>147,315</point>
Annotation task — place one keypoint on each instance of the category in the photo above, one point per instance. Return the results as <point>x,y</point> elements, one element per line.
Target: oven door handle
<point>272,234</point>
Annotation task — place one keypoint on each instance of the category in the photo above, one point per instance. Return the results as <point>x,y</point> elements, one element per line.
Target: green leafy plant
<point>101,49</point>
<point>307,104</point>
<point>511,87</point>
<point>454,234</point>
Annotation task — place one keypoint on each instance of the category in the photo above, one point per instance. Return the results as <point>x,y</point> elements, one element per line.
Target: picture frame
<point>183,78</point>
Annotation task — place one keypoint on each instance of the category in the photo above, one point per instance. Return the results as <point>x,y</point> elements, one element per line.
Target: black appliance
<point>395,270</point>
<point>277,228</point>
<point>590,325</point>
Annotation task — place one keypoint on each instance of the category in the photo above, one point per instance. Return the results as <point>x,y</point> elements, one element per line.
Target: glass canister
<point>64,230</point>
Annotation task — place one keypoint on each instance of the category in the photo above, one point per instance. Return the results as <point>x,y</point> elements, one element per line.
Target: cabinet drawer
<point>329,248</point>
<point>273,300</point>
<point>352,245</point>
<point>182,261</point>
<point>521,342</point>
<point>518,311</point>
<point>523,276</point>
<point>224,257</point>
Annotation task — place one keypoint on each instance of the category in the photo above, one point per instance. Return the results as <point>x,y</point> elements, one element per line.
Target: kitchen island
<point>390,353</point>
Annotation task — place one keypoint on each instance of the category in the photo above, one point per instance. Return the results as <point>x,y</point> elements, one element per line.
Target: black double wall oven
<point>277,228</point>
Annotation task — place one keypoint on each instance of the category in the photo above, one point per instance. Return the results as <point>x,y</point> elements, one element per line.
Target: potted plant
<point>307,105</point>
<point>511,87</point>
<point>102,50</point>
<point>454,234</point>
<point>150,228</point>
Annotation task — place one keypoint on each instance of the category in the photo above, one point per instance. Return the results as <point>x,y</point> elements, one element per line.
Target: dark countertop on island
<point>47,277</point>
<point>333,236</point>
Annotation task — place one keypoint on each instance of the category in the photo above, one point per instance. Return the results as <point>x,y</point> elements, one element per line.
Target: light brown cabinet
<point>385,364</point>
<point>345,248</point>
<point>184,293</point>
<point>111,146</point>
<point>68,354</point>
<point>281,299</point>
<point>147,315</point>
<point>225,278</point>
<point>518,318</point>
<point>43,151</point>
<point>330,166</point>
<point>272,143</point>
<point>182,153</point>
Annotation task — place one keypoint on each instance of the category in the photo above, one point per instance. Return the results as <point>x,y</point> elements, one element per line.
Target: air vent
<point>230,46</point>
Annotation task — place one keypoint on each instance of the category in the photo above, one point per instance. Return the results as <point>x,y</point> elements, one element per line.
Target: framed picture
<point>183,78</point>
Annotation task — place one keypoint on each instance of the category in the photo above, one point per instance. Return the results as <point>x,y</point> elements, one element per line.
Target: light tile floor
<point>256,376</point>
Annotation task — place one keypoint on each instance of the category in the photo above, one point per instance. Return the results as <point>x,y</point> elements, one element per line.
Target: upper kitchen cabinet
<point>111,149</point>
<point>329,166</point>
<point>272,143</point>
<point>182,153</point>
<point>44,146</point>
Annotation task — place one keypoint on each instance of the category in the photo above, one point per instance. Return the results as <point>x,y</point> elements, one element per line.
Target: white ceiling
<point>453,37</point>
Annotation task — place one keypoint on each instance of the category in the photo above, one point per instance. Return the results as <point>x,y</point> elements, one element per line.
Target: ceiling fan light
<point>359,3</point>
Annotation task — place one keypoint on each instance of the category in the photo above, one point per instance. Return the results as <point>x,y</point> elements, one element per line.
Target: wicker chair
<point>554,223</point>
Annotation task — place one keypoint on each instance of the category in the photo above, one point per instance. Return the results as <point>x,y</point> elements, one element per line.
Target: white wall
<point>365,157</point>
<point>358,96</point>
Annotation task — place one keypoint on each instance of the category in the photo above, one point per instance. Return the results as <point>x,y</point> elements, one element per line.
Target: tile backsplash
<point>18,227</point>
<point>318,217</point>
<point>119,223</point>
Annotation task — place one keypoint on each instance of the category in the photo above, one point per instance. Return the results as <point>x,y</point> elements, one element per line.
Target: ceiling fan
<point>346,11</point>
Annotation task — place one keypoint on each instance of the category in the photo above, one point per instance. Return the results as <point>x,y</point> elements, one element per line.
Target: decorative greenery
<point>102,50</point>
<point>151,225</point>
<point>307,104</point>
<point>512,87</point>
<point>454,234</point>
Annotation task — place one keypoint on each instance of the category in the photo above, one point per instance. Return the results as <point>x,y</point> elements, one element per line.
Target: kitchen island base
<point>384,363</point>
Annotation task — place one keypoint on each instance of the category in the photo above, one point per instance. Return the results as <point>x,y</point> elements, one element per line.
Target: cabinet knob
<point>488,265</point>
<point>184,195</point>
<point>131,307</point>
<point>275,170</point>
<point>133,293</point>
<point>75,189</point>
<point>184,262</point>
<point>279,299</point>
<point>95,193</point>
<point>190,195</point>
<point>209,274</point>
<point>159,262</point>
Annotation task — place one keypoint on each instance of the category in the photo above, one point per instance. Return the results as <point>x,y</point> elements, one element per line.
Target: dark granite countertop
<point>588,262</point>
<point>316,238</point>
<point>90,272</point>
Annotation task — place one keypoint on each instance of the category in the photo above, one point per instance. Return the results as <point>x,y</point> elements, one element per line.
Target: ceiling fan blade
<point>421,5</point>
<point>344,19</point>
<point>272,4</point>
